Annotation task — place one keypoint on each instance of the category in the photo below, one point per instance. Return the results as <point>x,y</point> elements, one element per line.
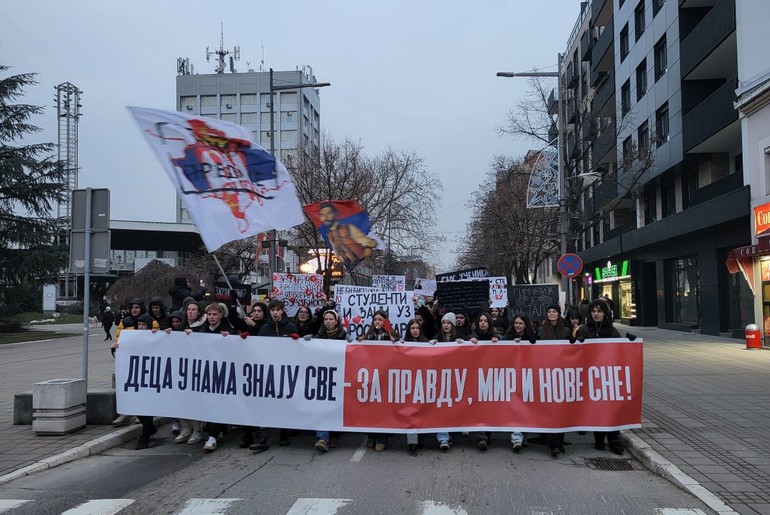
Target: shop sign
<point>762,220</point>
<point>612,272</point>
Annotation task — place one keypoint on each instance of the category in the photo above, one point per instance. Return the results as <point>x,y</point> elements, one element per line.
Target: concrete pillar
<point>58,406</point>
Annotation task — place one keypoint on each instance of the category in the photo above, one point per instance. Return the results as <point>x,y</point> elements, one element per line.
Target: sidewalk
<point>705,412</point>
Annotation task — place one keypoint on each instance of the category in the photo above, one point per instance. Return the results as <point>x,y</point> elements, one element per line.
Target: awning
<point>742,259</point>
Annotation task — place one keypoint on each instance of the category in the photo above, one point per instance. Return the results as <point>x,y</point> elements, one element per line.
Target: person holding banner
<point>520,329</point>
<point>447,333</point>
<point>257,317</point>
<point>599,325</point>
<point>330,330</point>
<point>483,329</point>
<point>463,326</point>
<point>304,321</point>
<point>379,330</point>
<point>413,334</point>
<point>554,328</point>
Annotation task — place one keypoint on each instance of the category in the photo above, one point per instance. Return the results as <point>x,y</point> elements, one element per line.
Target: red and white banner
<point>331,385</point>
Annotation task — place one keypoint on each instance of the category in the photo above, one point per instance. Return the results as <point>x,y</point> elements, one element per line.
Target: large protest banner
<point>389,282</point>
<point>296,290</point>
<point>533,299</point>
<point>370,386</point>
<point>462,275</point>
<point>357,310</point>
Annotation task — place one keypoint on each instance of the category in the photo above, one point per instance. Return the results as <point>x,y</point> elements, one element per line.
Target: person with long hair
<point>303,319</point>
<point>330,330</point>
<point>446,333</point>
<point>414,333</point>
<point>483,329</point>
<point>519,330</point>
<point>554,328</point>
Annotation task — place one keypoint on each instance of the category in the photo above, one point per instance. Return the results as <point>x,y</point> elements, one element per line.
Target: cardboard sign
<point>465,296</point>
<point>533,299</point>
<point>462,275</point>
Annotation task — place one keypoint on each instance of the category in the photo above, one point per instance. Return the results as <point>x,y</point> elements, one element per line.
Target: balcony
<point>605,192</point>
<point>553,103</point>
<point>601,12</point>
<point>586,44</point>
<point>605,142</point>
<point>601,57</point>
<point>710,116</point>
<point>727,184</point>
<point>604,92</point>
<point>713,29</point>
<point>571,110</point>
<point>571,75</point>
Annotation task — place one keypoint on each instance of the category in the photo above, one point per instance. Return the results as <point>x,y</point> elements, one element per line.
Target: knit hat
<point>336,316</point>
<point>553,306</point>
<point>450,317</point>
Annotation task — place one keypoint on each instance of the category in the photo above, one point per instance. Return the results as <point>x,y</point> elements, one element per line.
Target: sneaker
<point>259,447</point>
<point>370,443</point>
<point>517,446</point>
<point>211,444</point>
<point>333,442</point>
<point>176,427</point>
<point>482,444</point>
<point>184,435</point>
<point>444,445</point>
<point>122,420</point>
<point>142,444</point>
<point>379,447</point>
<point>196,437</point>
<point>321,445</point>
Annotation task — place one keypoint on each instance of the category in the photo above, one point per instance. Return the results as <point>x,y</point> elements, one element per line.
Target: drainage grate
<point>610,464</point>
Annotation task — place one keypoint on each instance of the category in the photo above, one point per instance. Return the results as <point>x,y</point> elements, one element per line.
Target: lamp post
<point>566,282</point>
<point>273,89</point>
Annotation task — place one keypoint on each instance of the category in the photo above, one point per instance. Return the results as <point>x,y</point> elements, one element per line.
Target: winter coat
<point>554,332</point>
<point>592,329</point>
<point>179,291</point>
<point>162,319</point>
<point>284,327</point>
<point>340,334</point>
<point>223,326</point>
<point>108,318</point>
<point>484,335</point>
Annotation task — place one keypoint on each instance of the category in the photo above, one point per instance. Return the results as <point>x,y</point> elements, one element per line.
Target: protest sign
<point>464,296</point>
<point>357,310</point>
<point>424,287</point>
<point>370,386</point>
<point>342,289</point>
<point>498,292</point>
<point>223,294</point>
<point>296,290</point>
<point>533,299</point>
<point>389,282</point>
<point>461,275</point>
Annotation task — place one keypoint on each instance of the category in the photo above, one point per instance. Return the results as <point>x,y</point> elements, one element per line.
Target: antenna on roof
<point>221,52</point>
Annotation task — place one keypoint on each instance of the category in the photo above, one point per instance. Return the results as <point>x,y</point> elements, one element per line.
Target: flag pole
<point>241,311</point>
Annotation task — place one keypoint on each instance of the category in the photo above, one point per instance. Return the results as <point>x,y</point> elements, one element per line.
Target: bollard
<point>753,338</point>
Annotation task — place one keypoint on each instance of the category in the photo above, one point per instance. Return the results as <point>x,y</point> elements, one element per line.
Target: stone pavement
<point>706,408</point>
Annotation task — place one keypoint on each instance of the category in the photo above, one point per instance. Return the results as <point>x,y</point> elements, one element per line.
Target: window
<point>643,137</point>
<point>624,43</point>
<point>668,198</point>
<point>657,5</point>
<point>661,124</point>
<point>639,22</point>
<point>208,100</point>
<point>625,98</point>
<point>264,138</point>
<point>264,118</point>
<point>229,117</point>
<point>264,100</point>
<point>641,80</point>
<point>650,207</point>
<point>255,136</point>
<point>628,150</point>
<point>289,117</point>
<point>289,136</point>
<point>249,99</point>
<point>187,103</point>
<point>289,98</point>
<point>661,58</point>
<point>227,101</point>
<point>683,289</point>
<point>249,118</point>
<point>689,186</point>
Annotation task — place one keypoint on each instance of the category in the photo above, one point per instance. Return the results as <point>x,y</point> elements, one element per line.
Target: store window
<point>684,297</point>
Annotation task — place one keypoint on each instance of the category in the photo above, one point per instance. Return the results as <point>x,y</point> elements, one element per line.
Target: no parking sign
<point>570,265</point>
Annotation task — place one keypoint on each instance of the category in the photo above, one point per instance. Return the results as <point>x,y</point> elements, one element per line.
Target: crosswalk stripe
<point>437,508</point>
<point>360,451</point>
<point>207,506</point>
<point>99,507</point>
<point>317,506</point>
<point>679,511</point>
<point>10,504</point>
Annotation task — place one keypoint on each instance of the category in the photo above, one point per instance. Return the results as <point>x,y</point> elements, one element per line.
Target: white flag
<point>232,187</point>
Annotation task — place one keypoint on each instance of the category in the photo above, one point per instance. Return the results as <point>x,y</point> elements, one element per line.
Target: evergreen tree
<point>31,182</point>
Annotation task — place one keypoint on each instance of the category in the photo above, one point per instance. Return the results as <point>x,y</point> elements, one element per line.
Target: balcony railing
<point>605,142</point>
<point>605,90</point>
<point>606,191</point>
<point>710,116</point>
<point>727,184</point>
<point>707,35</point>
<point>586,44</point>
<point>572,75</point>
<point>601,46</point>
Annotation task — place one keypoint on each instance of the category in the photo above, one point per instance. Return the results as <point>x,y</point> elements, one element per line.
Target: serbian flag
<point>232,187</point>
<point>345,228</point>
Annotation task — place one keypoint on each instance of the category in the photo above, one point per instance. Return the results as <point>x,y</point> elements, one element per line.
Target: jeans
<point>442,437</point>
<point>322,435</point>
<point>517,437</point>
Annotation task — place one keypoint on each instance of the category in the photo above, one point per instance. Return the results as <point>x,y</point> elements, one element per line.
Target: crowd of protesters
<point>191,311</point>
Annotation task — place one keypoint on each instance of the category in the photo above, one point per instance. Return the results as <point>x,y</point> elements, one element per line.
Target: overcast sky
<point>409,74</point>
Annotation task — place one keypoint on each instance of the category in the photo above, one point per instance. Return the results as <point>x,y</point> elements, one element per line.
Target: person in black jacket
<point>463,326</point>
<point>303,319</point>
<point>554,328</point>
<point>108,318</point>
<point>157,310</point>
<point>599,325</point>
<point>180,290</point>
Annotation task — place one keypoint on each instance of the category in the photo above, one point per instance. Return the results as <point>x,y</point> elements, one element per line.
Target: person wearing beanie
<point>554,328</point>
<point>447,333</point>
<point>599,325</point>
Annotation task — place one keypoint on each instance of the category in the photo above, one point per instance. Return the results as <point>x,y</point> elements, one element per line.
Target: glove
<point>572,339</point>
<point>294,336</point>
<point>631,337</point>
<point>581,338</point>
<point>532,339</point>
<point>244,334</point>
<point>349,338</point>
<point>308,337</point>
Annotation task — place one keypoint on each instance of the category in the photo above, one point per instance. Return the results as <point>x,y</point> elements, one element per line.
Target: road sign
<point>570,265</point>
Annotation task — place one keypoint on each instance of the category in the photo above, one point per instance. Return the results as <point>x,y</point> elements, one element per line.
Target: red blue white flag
<point>232,187</point>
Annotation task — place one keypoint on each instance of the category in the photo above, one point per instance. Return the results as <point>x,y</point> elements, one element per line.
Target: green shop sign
<point>611,272</point>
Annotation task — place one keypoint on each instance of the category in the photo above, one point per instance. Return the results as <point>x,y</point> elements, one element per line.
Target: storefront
<point>613,280</point>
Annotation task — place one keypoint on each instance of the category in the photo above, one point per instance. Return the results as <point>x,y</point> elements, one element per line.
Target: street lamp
<point>273,89</point>
<point>566,283</point>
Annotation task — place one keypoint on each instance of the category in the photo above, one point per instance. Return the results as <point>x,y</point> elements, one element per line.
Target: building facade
<point>650,87</point>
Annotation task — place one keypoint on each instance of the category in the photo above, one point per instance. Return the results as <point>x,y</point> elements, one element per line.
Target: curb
<point>92,448</point>
<point>658,464</point>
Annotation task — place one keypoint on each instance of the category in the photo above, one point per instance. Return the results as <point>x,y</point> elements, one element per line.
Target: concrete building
<point>650,91</point>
